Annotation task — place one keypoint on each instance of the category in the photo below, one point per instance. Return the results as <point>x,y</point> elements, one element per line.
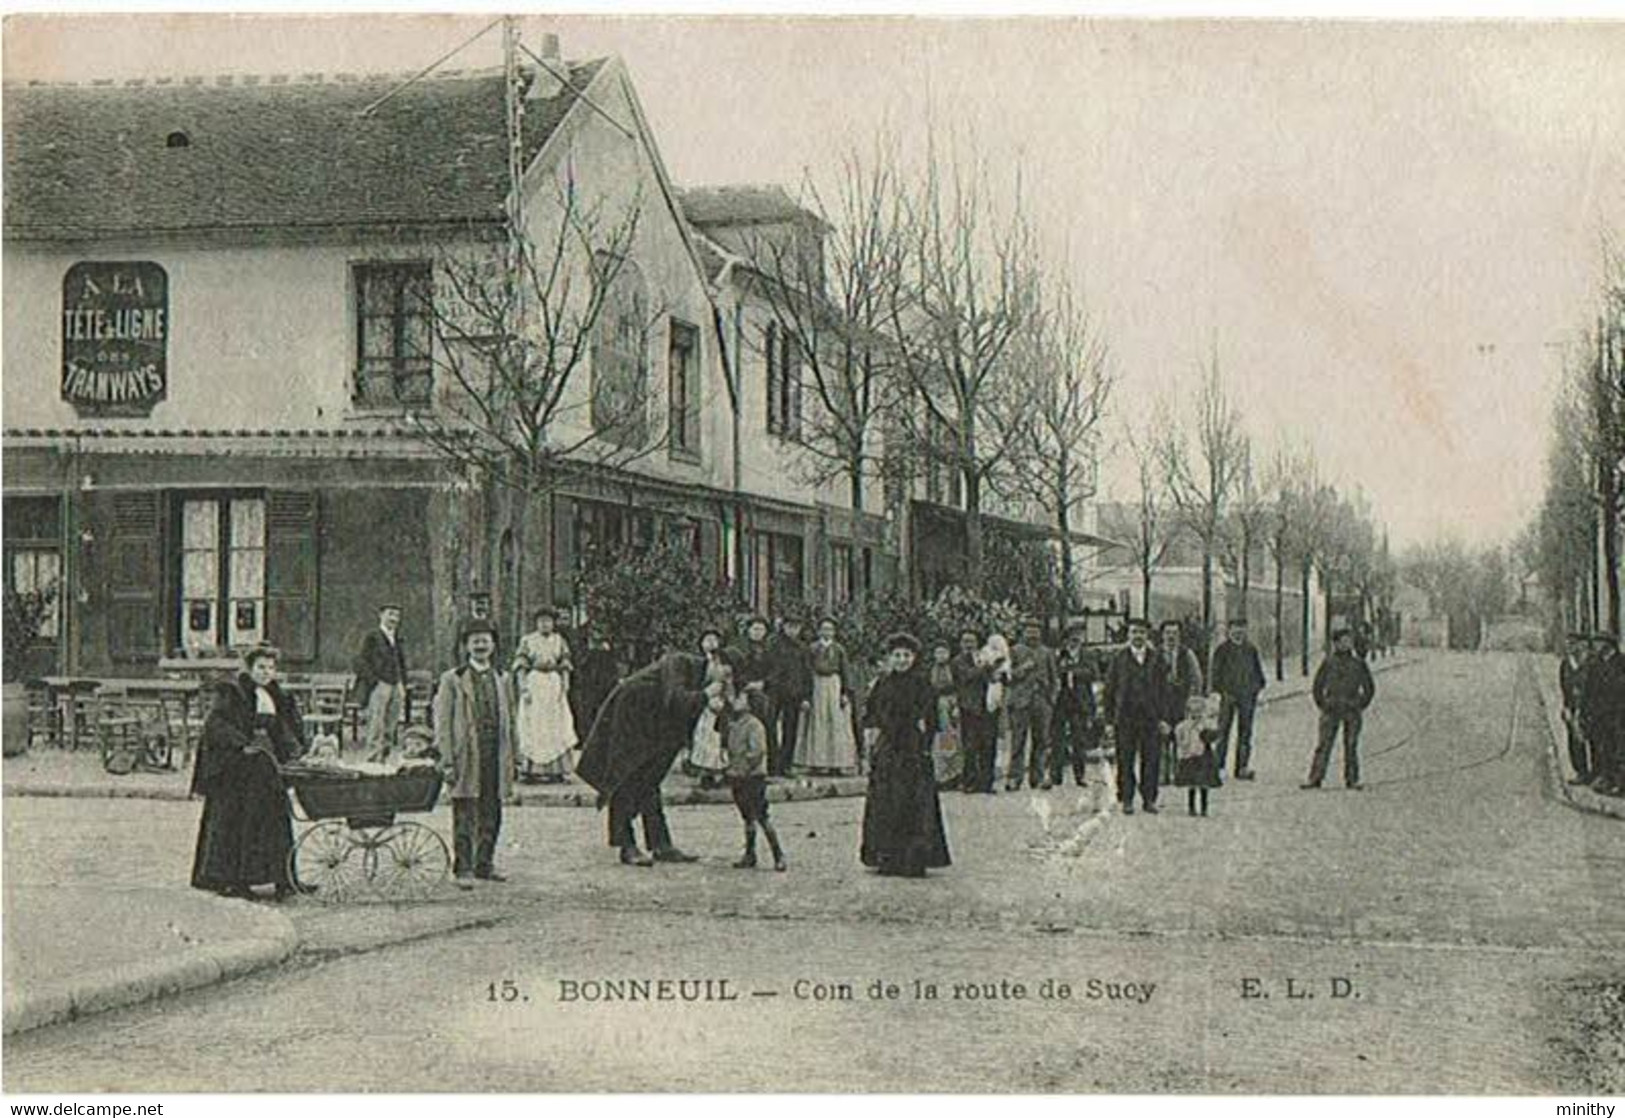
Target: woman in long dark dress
<point>245,835</point>
<point>902,817</point>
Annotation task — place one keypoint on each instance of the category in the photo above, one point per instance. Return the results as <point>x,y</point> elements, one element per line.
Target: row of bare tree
<point>1200,476</point>
<point>1574,541</point>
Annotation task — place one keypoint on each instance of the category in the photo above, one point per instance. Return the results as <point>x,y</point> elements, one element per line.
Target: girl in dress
<point>945,741</point>
<point>706,753</point>
<point>1195,767</point>
<point>546,724</point>
<point>995,656</point>
<point>827,743</point>
<point>902,817</point>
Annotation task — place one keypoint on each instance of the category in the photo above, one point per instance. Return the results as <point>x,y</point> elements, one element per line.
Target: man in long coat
<point>1571,679</point>
<point>1604,706</point>
<point>473,732</point>
<point>1034,680</point>
<point>642,727</point>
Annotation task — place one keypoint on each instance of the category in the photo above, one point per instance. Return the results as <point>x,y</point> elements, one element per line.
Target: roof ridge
<point>245,79</point>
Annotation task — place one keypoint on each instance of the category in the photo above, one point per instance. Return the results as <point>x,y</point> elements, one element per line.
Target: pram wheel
<point>412,862</point>
<point>328,857</point>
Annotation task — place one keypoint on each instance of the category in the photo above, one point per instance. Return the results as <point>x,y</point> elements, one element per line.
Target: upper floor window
<point>394,333</point>
<point>620,369</point>
<point>783,382</point>
<point>684,390</point>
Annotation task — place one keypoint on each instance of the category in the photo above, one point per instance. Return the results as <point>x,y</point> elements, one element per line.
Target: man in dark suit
<point>1034,680</point>
<point>1343,690</point>
<point>789,685</point>
<point>977,727</point>
<point>1604,706</point>
<point>1571,679</point>
<point>1137,700</point>
<point>1074,710</point>
<point>1237,674</point>
<point>380,681</point>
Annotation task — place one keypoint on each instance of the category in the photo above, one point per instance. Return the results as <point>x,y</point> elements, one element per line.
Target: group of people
<point>770,705</point>
<point>1592,679</point>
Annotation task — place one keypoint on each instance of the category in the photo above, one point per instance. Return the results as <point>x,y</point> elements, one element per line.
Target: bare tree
<point>1203,471</point>
<point>1247,522</point>
<point>1283,484</point>
<point>1064,382</point>
<point>971,291</point>
<point>540,350</point>
<point>1154,523</point>
<point>834,305</point>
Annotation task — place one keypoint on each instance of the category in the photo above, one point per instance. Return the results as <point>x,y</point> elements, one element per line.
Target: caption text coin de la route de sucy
<point>1088,989</point>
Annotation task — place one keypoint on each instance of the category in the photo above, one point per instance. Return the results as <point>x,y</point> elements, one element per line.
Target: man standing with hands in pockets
<point>1238,676</point>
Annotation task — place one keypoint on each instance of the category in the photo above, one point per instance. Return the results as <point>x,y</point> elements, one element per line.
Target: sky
<point>1387,233</point>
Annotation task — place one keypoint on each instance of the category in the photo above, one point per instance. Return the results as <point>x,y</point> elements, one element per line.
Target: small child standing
<point>747,775</point>
<point>1196,769</point>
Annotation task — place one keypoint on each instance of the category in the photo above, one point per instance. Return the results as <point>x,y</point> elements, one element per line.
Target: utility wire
<point>430,68</point>
<point>564,79</point>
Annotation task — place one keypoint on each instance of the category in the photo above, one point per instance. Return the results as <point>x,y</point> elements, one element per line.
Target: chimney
<point>547,84</point>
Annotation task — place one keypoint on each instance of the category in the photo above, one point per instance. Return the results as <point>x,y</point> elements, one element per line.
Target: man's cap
<point>390,605</point>
<point>1341,631</point>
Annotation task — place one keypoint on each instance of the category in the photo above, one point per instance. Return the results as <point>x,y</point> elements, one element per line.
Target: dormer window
<point>177,140</point>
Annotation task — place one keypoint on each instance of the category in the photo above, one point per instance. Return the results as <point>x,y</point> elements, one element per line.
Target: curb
<point>1581,799</point>
<point>134,983</point>
<point>573,795</point>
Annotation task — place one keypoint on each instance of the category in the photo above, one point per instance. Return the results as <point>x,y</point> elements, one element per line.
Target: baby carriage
<point>355,849</point>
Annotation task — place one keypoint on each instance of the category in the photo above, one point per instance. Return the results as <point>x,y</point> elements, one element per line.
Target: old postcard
<point>770,554</point>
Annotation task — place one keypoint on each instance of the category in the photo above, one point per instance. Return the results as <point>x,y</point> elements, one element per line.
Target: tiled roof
<point>741,205</point>
<point>266,152</point>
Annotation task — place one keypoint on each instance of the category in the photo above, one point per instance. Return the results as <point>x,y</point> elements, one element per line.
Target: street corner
<point>77,951</point>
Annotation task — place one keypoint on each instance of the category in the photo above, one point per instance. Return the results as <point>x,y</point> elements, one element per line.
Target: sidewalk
<point>1551,700</point>
<point>74,950</point>
<point>79,775</point>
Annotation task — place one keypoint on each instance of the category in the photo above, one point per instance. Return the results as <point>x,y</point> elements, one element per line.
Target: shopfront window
<point>222,573</point>
<point>33,545</point>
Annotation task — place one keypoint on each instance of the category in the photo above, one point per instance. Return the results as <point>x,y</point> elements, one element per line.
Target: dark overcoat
<point>245,834</point>
<point>648,716</point>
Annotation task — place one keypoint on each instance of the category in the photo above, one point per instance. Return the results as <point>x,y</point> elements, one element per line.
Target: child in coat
<point>746,748</point>
<point>1196,769</point>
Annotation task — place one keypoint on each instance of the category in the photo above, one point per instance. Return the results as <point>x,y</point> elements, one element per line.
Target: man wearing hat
<point>1034,680</point>
<point>1237,674</point>
<point>1343,690</point>
<point>1137,713</point>
<point>643,725</point>
<point>1604,705</point>
<point>380,680</point>
<point>1571,680</point>
<point>1074,724</point>
<point>473,732</point>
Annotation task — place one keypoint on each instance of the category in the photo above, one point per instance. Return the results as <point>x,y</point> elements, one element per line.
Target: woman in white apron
<point>545,723</point>
<point>705,752</point>
<point>827,745</point>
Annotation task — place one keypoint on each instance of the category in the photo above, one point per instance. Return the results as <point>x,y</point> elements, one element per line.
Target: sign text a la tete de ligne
<point>115,337</point>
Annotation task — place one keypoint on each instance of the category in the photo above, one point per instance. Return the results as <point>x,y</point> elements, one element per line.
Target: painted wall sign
<point>115,337</point>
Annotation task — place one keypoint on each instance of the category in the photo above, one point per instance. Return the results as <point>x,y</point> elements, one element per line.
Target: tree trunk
<point>1062,522</point>
<point>973,529</point>
<point>855,485</point>
<point>1304,651</point>
<point>1280,618</point>
<point>1207,588</point>
<point>1608,490</point>
<point>1145,593</point>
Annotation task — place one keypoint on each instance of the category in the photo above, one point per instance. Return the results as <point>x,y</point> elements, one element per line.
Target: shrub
<point>651,600</point>
<point>25,615</point>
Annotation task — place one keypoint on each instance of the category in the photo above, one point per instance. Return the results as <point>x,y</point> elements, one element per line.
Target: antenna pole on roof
<point>514,106</point>
<point>430,68</point>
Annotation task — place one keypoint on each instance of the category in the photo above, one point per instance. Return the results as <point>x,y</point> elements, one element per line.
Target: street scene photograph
<point>772,554</point>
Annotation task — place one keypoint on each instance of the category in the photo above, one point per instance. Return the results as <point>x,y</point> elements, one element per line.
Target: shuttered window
<point>135,577</point>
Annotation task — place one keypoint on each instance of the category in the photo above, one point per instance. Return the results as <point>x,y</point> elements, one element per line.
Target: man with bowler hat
<point>473,732</point>
<point>1137,713</point>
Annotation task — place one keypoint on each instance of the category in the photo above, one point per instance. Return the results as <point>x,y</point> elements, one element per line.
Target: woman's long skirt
<point>826,732</point>
<point>902,816</point>
<point>246,832</point>
<point>547,729</point>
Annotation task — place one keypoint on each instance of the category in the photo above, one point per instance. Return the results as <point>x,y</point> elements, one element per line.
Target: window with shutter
<point>290,572</point>
<point>135,577</point>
